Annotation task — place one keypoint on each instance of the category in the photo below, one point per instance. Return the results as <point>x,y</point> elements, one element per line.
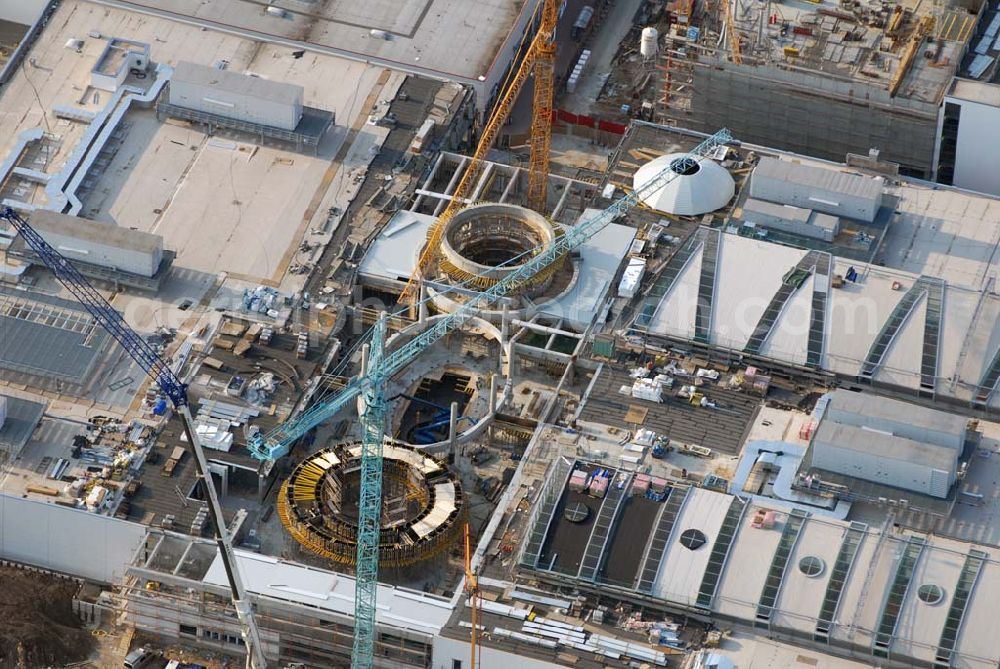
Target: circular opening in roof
<point>576,512</point>
<point>812,566</point>
<point>930,593</point>
<point>693,539</point>
<point>685,166</point>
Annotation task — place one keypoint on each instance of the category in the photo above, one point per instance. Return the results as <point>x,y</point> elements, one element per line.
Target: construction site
<point>582,342</point>
<point>875,73</point>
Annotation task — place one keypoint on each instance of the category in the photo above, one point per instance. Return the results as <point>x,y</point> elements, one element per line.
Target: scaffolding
<point>163,595</point>
<point>423,506</point>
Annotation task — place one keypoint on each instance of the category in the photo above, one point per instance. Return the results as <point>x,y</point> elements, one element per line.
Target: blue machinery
<point>423,433</point>
<point>171,386</point>
<point>367,389</point>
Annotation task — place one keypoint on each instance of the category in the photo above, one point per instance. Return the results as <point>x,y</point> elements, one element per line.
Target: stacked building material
<point>578,481</point>
<point>641,484</point>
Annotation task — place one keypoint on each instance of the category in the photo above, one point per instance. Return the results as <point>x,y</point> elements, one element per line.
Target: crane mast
<point>540,44</point>
<point>540,138</point>
<point>372,409</point>
<point>139,350</point>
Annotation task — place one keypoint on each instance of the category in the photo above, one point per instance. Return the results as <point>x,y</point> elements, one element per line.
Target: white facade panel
<point>66,540</point>
<point>977,154</point>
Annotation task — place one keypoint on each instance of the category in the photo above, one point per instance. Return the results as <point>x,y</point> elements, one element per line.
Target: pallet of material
<point>171,463</point>
<point>235,414</point>
<point>42,490</point>
<point>232,329</point>
<point>214,363</point>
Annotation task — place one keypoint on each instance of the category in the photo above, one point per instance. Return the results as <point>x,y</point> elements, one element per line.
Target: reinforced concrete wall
<point>813,115</point>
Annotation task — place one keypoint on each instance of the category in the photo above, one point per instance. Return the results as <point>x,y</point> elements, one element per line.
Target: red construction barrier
<point>589,122</point>
<point>616,128</point>
<point>566,117</point>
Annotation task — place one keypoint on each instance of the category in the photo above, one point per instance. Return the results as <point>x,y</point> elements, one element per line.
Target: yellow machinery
<point>540,59</point>
<point>924,29</point>
<point>731,32</point>
<point>472,590</point>
<point>544,54</point>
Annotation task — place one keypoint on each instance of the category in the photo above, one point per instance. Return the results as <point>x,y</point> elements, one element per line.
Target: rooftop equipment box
<point>817,188</point>
<point>236,96</point>
<point>890,442</point>
<point>103,244</point>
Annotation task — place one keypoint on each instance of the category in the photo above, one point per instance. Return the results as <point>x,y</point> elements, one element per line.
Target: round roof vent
<point>685,166</point>
<point>929,593</point>
<point>812,566</point>
<point>577,512</point>
<point>693,539</point>
<point>697,185</point>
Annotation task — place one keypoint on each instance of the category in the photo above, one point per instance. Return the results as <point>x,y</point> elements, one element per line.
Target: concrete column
<point>422,307</point>
<point>453,429</point>
<point>492,406</point>
<point>505,325</point>
<point>450,189</point>
<point>365,353</point>
<point>412,309</point>
<point>384,315</point>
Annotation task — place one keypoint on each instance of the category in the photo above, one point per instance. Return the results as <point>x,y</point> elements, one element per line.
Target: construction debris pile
<point>38,627</point>
<point>262,300</point>
<point>260,389</point>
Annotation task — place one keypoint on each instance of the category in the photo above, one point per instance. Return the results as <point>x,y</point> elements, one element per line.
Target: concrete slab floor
<point>608,37</point>
<point>53,440</point>
<point>603,443</point>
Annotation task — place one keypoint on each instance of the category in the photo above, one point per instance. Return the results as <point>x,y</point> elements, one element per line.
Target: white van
<point>139,658</point>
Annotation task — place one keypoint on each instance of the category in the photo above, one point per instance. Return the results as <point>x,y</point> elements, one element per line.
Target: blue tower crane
<point>368,388</point>
<point>170,385</point>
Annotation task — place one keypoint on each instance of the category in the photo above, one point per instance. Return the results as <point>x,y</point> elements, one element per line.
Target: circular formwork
<point>485,243</point>
<point>423,505</point>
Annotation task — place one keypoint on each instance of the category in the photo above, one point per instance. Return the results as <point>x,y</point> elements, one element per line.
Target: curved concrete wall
<point>474,326</point>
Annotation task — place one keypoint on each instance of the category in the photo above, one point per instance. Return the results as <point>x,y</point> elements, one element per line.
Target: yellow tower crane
<point>472,590</point>
<point>541,111</point>
<point>731,32</point>
<point>540,60</point>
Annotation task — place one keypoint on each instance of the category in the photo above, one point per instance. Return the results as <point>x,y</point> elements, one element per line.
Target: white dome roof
<point>700,188</point>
